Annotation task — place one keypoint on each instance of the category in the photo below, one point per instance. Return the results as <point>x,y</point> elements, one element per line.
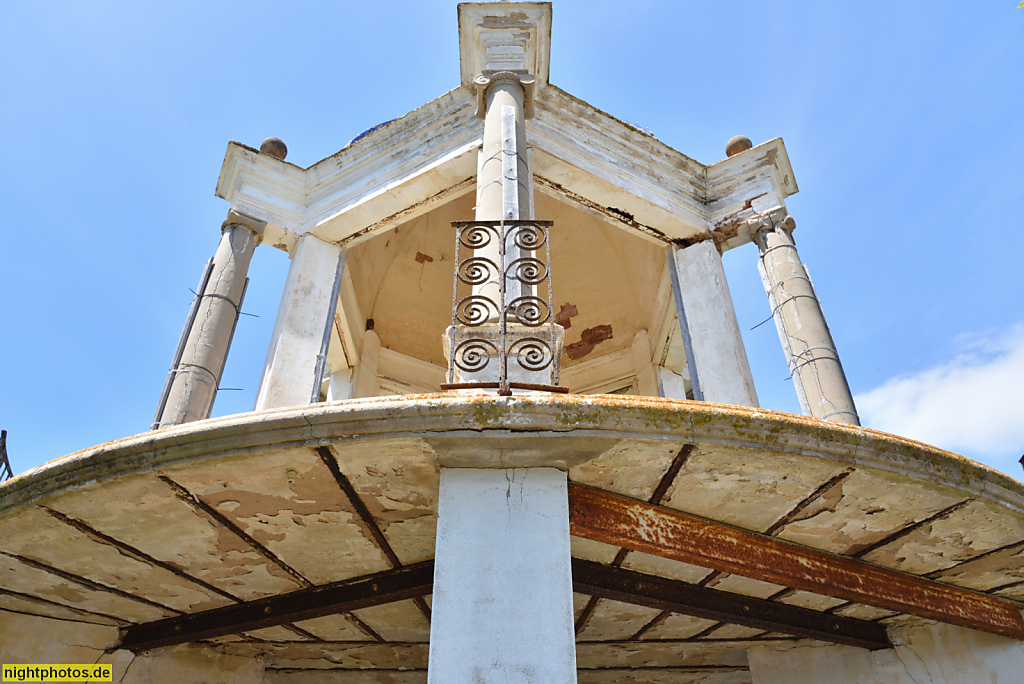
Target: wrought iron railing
<point>5,465</point>
<point>515,326</point>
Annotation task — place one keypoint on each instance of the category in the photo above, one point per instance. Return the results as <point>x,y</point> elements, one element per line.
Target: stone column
<point>813,360</point>
<point>303,320</point>
<point>703,301</point>
<point>502,601</point>
<point>504,178</point>
<point>197,374</point>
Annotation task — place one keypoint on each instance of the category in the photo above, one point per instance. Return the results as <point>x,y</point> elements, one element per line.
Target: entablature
<point>623,176</point>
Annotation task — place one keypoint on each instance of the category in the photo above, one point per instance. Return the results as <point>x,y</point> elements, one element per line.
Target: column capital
<point>770,220</point>
<point>486,80</point>
<point>237,218</point>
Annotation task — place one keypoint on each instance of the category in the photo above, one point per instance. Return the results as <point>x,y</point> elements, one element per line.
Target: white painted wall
<point>502,602</point>
<point>925,654</point>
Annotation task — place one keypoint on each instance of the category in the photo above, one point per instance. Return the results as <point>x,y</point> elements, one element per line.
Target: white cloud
<point>973,405</point>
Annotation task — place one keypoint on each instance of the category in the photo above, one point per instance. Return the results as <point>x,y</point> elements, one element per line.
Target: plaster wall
<point>22,640</point>
<point>923,654</point>
<point>30,639</point>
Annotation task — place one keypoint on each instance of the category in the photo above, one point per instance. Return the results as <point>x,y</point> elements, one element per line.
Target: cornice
<point>752,182</point>
<point>486,423</point>
<point>585,156</point>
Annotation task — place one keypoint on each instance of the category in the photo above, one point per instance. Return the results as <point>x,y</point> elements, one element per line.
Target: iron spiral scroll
<point>522,273</point>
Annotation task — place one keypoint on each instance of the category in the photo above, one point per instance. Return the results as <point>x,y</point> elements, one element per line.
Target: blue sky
<point>902,121</point>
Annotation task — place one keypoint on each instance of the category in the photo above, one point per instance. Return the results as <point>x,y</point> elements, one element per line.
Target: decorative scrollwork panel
<point>508,317</point>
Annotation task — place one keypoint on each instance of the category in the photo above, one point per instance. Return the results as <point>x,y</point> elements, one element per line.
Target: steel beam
<point>406,582</point>
<point>666,594</point>
<point>640,526</point>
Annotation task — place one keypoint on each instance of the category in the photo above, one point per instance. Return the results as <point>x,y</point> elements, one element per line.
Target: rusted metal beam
<point>371,526</point>
<point>640,526</point>
<point>657,497</point>
<point>303,604</point>
<point>674,596</point>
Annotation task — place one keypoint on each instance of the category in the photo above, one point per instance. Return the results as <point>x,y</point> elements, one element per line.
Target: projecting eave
<point>581,155</point>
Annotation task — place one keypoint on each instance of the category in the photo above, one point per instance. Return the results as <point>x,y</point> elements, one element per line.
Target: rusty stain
<point>589,339</point>
<point>624,214</point>
<point>421,257</point>
<point>616,214</point>
<point>566,312</point>
<point>639,526</point>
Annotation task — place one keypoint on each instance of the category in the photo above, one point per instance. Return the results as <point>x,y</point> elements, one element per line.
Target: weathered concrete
<point>813,360</point>
<point>924,654</point>
<point>719,356</point>
<point>502,604</point>
<point>756,469</point>
<point>188,664</point>
<point>307,307</point>
<point>751,438</point>
<point>197,375</point>
<point>28,639</point>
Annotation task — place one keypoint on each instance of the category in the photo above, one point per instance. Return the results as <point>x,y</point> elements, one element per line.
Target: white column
<point>718,353</point>
<point>305,312</point>
<point>924,654</point>
<point>341,385</point>
<point>813,360</point>
<point>502,601</point>
<point>504,177</point>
